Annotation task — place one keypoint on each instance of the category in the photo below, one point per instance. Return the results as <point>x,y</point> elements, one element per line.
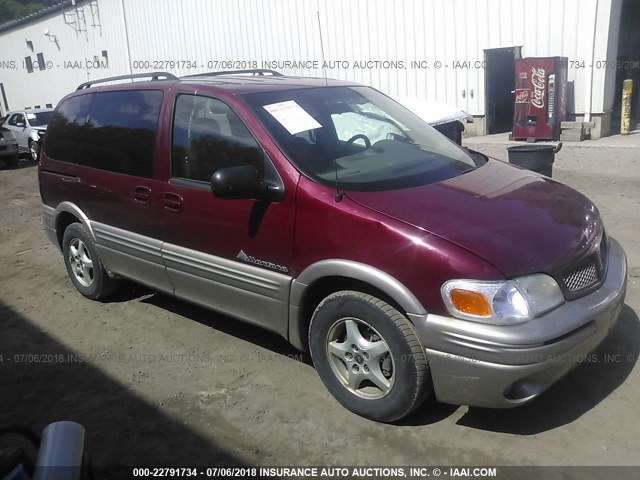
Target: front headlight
<point>41,133</point>
<point>504,302</point>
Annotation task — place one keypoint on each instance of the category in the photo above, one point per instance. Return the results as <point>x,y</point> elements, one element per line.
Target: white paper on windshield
<point>292,116</point>
<point>31,116</point>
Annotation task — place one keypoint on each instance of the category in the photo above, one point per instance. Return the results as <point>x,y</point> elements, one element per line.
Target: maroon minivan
<point>326,212</point>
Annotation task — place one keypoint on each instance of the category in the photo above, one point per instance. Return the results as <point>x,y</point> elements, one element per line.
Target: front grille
<point>588,274</point>
<point>581,276</point>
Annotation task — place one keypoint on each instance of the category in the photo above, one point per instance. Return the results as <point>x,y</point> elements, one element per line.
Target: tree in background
<point>14,9</point>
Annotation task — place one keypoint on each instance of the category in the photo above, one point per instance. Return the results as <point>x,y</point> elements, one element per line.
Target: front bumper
<point>505,366</point>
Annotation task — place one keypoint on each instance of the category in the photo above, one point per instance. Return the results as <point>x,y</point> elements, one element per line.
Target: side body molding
<point>348,269</point>
<point>240,290</point>
<point>132,255</point>
<point>49,218</point>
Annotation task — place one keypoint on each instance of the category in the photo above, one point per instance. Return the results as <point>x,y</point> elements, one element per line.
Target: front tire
<point>34,150</point>
<point>84,267</point>
<point>368,356</point>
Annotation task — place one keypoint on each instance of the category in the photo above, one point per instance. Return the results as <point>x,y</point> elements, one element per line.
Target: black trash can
<point>538,158</point>
<point>452,130</point>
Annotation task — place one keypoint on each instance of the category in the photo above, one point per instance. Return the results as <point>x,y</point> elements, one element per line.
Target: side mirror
<point>243,182</point>
<point>21,124</point>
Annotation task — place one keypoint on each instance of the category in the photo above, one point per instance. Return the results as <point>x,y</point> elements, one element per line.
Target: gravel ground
<point>157,381</point>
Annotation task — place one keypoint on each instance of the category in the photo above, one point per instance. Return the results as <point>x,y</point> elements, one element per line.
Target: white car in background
<point>446,119</point>
<point>374,124</point>
<point>29,127</point>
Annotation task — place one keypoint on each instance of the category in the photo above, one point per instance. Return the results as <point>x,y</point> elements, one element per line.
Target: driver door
<point>19,131</point>
<point>233,255</point>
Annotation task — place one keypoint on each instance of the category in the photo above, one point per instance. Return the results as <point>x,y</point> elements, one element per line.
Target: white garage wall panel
<point>356,30</point>
<point>49,86</point>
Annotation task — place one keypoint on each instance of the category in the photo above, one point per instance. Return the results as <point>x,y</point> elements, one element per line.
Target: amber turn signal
<point>472,303</point>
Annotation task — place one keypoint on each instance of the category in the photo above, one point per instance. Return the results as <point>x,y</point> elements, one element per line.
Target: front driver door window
<point>208,136</point>
<point>19,131</point>
<point>15,119</point>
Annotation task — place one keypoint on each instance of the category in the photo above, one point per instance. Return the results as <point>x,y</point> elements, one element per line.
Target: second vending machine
<point>540,98</point>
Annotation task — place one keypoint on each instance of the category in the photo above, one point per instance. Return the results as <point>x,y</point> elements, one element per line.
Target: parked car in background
<point>29,127</point>
<point>8,147</point>
<point>448,120</point>
<point>328,213</point>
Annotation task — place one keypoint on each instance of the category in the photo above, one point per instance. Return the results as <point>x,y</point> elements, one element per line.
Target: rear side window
<point>122,131</point>
<point>208,136</point>
<point>67,129</point>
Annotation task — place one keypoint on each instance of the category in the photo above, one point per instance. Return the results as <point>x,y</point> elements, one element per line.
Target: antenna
<point>324,64</point>
<point>338,197</point>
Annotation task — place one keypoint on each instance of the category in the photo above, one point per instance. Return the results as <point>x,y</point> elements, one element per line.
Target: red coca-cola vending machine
<point>540,98</point>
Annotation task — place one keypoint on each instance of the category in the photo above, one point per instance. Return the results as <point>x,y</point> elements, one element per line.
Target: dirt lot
<point>157,381</point>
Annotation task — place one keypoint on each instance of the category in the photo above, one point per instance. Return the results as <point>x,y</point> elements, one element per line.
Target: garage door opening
<point>499,88</point>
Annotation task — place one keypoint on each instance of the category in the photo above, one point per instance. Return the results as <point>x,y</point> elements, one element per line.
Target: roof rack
<point>256,72</point>
<point>153,75</point>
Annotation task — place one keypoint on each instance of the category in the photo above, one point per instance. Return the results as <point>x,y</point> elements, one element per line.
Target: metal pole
<point>61,450</point>
<point>589,90</point>
<point>625,114</point>
<point>126,36</point>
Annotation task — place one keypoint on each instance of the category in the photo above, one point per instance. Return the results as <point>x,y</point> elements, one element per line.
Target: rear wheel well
<point>62,222</point>
<point>322,288</point>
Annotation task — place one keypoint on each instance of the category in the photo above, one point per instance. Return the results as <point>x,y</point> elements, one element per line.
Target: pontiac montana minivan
<point>326,212</point>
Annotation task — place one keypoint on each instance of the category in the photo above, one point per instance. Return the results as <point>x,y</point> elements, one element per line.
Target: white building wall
<point>62,75</point>
<point>357,30</point>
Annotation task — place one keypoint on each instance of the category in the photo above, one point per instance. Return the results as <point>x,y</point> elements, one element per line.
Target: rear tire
<point>84,267</point>
<point>369,356</point>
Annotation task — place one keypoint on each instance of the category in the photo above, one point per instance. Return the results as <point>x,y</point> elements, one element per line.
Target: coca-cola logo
<point>538,80</point>
<point>522,96</point>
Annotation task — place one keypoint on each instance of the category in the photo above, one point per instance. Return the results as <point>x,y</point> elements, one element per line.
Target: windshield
<point>357,134</point>
<point>40,119</point>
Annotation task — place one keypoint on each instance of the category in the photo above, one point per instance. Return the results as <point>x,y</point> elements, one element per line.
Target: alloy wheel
<point>33,150</point>
<point>81,262</point>
<point>360,358</point>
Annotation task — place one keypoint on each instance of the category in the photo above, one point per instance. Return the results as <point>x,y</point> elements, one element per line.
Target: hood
<point>517,220</point>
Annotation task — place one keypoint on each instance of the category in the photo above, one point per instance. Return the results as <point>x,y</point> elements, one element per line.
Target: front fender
<point>33,135</point>
<point>348,269</point>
